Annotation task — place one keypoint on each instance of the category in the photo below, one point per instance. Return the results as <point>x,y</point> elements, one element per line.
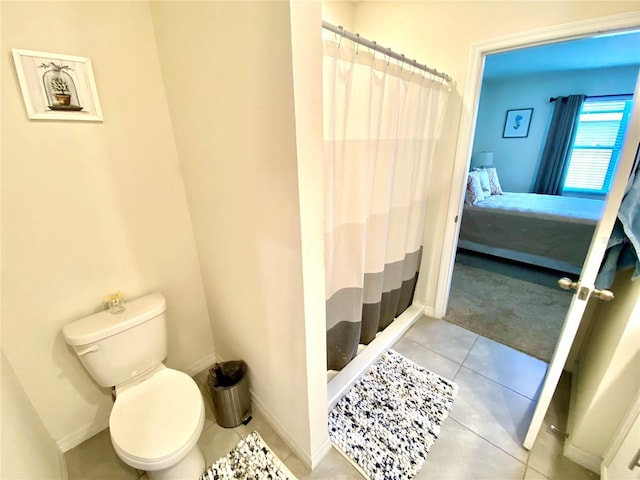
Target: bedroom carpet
<point>388,421</point>
<point>512,304</point>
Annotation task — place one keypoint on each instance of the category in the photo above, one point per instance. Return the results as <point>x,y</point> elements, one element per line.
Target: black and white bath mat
<point>388,421</point>
<point>251,458</point>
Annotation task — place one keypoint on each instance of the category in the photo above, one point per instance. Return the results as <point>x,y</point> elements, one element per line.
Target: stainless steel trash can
<point>230,394</point>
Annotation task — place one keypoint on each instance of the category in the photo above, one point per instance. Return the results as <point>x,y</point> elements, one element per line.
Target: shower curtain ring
<point>357,43</point>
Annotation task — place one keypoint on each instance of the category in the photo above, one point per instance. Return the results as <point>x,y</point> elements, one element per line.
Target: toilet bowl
<point>158,413</point>
<point>155,426</point>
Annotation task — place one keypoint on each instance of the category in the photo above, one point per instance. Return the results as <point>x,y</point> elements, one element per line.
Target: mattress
<point>546,230</point>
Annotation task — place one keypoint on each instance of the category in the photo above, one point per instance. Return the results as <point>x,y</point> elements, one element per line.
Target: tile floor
<point>481,439</point>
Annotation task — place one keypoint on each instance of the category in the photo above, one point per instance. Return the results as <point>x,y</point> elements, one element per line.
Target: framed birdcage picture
<point>57,87</point>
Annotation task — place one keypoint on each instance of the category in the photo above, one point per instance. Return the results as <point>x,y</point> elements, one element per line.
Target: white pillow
<point>483,175</point>
<point>474,189</point>
<point>494,183</point>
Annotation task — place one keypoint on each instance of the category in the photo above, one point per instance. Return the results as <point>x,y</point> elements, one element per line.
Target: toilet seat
<point>156,423</point>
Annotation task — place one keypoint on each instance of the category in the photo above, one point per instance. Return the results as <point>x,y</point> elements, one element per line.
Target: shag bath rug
<point>251,458</point>
<point>389,420</point>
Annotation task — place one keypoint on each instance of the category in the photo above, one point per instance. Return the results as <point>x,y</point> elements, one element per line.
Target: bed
<point>546,230</point>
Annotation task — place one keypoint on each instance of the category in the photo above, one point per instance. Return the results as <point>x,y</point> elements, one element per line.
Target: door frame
<point>604,227</point>
<point>469,114</point>
<point>620,436</point>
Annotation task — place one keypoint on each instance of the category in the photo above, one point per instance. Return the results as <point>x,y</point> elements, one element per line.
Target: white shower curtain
<point>381,123</point>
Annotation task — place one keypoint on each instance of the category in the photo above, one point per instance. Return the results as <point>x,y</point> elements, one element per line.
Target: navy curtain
<point>557,150</point>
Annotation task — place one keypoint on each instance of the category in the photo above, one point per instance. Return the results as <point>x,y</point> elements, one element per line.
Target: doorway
<point>505,288</point>
<point>597,248</point>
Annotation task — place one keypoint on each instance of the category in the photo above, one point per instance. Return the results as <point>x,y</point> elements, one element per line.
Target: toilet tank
<point>116,347</point>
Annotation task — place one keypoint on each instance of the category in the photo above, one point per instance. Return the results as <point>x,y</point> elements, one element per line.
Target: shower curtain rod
<point>355,37</point>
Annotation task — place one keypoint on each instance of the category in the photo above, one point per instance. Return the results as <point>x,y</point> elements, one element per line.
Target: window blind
<point>602,125</point>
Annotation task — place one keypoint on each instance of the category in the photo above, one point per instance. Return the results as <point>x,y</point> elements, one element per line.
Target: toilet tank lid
<point>104,324</point>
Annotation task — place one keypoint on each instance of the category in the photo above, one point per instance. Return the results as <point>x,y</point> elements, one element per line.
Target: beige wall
<point>307,75</point>
<point>228,72</point>
<point>24,435</point>
<point>90,208</point>
<point>339,13</point>
<point>609,369</point>
<point>441,34</point>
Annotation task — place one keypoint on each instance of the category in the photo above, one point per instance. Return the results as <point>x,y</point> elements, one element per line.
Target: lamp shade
<point>482,159</point>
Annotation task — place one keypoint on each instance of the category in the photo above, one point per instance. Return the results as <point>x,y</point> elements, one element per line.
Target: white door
<point>589,272</point>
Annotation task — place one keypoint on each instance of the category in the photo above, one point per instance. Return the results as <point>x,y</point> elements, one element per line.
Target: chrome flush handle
<point>635,461</point>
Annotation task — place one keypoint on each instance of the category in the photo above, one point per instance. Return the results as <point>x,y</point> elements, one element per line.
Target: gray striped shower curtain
<point>381,123</point>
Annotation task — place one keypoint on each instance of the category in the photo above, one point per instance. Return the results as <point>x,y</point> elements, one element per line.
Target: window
<point>596,148</point>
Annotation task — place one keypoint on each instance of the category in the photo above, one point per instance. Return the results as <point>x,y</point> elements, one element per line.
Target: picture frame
<point>57,86</point>
<point>517,123</point>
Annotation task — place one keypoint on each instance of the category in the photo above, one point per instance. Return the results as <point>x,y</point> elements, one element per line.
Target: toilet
<point>158,413</point>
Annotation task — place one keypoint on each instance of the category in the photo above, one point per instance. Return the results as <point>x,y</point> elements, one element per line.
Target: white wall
<point>228,72</point>
<point>517,159</point>
<point>441,34</point>
<point>90,208</point>
<point>28,451</point>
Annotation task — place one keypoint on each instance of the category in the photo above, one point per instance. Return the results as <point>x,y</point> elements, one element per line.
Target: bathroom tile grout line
<point>437,353</point>
<point>526,463</point>
<point>497,383</point>
<point>526,470</point>
<point>460,365</point>
<point>475,340</point>
<point>442,355</point>
<point>493,444</point>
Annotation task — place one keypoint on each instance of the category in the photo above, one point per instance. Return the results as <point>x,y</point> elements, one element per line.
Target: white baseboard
<point>85,432</point>
<point>573,453</point>
<point>200,365</point>
<point>320,453</point>
<point>310,460</point>
<point>429,311</point>
<point>587,460</point>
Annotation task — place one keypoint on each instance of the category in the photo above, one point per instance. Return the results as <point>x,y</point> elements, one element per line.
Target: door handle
<point>604,294</point>
<point>567,284</point>
<point>583,293</point>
